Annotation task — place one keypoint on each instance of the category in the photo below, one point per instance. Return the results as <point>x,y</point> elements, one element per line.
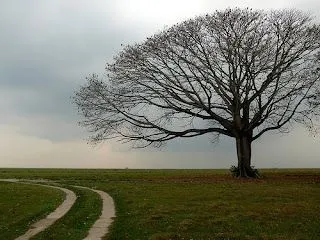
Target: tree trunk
<point>244,156</point>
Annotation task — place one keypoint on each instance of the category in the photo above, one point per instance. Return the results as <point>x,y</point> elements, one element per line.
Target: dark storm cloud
<point>47,49</point>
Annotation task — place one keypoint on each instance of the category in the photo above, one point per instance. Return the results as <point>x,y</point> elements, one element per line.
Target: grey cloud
<point>48,47</point>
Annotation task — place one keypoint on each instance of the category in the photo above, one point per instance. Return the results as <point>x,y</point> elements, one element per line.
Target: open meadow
<point>172,204</point>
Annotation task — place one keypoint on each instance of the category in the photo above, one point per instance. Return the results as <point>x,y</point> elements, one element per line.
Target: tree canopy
<point>235,72</point>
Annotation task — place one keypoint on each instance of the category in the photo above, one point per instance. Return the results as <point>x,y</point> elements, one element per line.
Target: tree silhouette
<point>236,72</point>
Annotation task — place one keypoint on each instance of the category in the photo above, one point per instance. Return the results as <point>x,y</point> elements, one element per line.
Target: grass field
<point>201,204</point>
<point>20,206</point>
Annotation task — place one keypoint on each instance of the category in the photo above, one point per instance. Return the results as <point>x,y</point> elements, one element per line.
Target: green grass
<point>76,223</point>
<point>102,174</point>
<point>202,204</point>
<point>20,206</point>
<point>223,210</point>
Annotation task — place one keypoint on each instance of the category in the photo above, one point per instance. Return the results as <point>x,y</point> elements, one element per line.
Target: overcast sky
<point>48,47</point>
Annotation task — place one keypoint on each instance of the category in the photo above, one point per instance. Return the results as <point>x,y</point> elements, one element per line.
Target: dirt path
<point>52,217</point>
<point>100,228</point>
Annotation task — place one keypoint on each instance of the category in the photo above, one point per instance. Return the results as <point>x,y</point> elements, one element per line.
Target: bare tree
<point>236,72</point>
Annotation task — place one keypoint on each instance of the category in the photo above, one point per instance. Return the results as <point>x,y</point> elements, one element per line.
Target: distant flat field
<point>201,204</point>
